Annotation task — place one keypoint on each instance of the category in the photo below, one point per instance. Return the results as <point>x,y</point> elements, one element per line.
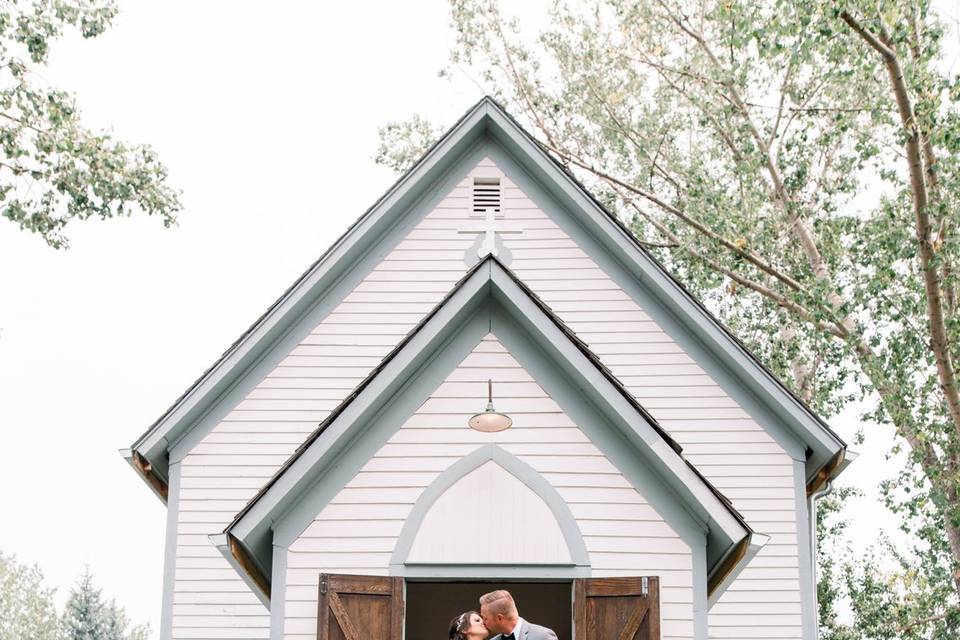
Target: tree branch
<point>778,299</point>
<point>750,256</point>
<point>939,342</point>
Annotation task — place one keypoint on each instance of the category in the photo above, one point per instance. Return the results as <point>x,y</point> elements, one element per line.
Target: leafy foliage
<point>796,165</point>
<point>52,168</point>
<point>403,142</point>
<point>891,593</point>
<point>26,607</point>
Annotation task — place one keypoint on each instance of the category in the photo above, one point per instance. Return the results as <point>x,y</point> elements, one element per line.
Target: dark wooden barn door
<point>616,608</point>
<point>360,608</point>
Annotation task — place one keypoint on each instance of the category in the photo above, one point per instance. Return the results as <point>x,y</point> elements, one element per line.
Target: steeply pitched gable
<point>489,290</point>
<point>148,454</point>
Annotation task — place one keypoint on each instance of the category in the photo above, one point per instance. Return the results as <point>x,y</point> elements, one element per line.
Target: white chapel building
<point>641,475</point>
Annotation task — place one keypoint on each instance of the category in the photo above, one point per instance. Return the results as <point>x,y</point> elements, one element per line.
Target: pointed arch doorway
<point>489,522</point>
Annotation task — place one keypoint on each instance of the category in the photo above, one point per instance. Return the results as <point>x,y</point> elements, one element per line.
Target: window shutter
<point>616,608</point>
<point>360,608</point>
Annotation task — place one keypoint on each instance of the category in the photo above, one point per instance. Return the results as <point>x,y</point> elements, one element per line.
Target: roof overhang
<point>822,443</point>
<point>310,288</point>
<point>491,285</point>
<point>486,118</point>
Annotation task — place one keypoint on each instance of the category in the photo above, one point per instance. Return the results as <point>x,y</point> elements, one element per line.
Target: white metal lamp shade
<point>490,421</point>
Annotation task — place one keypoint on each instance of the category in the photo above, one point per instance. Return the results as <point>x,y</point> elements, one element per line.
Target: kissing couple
<point>498,616</point>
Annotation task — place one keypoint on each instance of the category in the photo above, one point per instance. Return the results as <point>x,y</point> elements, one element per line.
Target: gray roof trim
<point>620,241</point>
<point>725,526</point>
<point>311,286</point>
<point>486,116</point>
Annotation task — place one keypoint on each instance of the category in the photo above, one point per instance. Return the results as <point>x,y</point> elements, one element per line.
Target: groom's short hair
<point>500,602</point>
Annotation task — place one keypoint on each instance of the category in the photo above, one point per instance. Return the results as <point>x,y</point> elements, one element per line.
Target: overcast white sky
<point>268,122</point>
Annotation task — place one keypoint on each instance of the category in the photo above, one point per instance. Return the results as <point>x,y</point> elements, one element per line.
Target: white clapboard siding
<point>734,452</point>
<point>623,534</point>
<point>241,453</point>
<point>382,309</point>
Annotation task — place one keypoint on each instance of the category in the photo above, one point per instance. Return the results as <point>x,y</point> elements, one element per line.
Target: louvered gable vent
<point>486,195</point>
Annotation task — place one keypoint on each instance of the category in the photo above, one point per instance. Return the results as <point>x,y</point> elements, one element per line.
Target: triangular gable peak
<point>487,128</point>
<point>490,298</point>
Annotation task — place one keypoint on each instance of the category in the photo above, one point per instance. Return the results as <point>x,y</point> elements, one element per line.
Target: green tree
<point>26,606</point>
<point>795,164</point>
<point>52,168</point>
<point>88,617</point>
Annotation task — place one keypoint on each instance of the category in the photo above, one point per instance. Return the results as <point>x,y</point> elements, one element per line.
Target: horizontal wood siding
<point>243,451</point>
<point>247,447</point>
<point>622,533</point>
<point>725,443</point>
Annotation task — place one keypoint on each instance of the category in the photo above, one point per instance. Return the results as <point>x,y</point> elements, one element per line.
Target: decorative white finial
<point>489,228</point>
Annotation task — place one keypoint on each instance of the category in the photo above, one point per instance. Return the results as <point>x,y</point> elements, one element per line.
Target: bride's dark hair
<point>459,625</point>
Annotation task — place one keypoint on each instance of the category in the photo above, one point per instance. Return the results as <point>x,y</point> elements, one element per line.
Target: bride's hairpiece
<point>459,624</point>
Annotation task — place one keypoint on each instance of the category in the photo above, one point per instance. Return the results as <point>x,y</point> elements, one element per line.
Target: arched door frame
<point>580,560</point>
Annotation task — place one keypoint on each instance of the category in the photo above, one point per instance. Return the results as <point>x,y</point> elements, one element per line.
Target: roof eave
<point>146,471</point>
<point>189,408</point>
<point>263,511</point>
<point>244,563</point>
<point>724,572</point>
<point>798,417</point>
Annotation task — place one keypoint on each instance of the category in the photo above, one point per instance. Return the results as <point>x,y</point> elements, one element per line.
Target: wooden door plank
<point>633,624</point>
<point>626,608</point>
<point>354,607</point>
<point>346,624</point>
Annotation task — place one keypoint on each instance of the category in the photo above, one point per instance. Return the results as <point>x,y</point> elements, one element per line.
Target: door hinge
<point>323,585</point>
<point>644,586</point>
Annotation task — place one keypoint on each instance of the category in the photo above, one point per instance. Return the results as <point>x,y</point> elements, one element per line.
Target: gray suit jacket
<point>530,631</point>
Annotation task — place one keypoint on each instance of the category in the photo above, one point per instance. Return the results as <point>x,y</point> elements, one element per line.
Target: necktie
<point>509,637</point>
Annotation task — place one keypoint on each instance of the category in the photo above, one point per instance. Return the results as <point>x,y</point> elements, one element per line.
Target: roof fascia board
<point>222,543</point>
<point>273,354</point>
<point>271,507</point>
<point>689,488</point>
<point>749,547</point>
<point>736,386</point>
<point>289,485</point>
<point>312,285</point>
<point>341,461</point>
<point>289,525</point>
<point>542,168</point>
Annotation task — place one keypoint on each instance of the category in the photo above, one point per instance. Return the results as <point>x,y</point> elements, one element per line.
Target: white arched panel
<point>489,516</point>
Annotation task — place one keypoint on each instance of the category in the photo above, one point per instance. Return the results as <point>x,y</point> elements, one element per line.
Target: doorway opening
<point>431,605</point>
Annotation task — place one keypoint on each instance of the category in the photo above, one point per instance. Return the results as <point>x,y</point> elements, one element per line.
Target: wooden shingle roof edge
<point>824,447</point>
<point>147,455</point>
<point>732,539</point>
<point>834,460</point>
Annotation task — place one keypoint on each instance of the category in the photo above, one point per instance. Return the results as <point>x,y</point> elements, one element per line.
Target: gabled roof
<point>149,453</point>
<point>490,288</point>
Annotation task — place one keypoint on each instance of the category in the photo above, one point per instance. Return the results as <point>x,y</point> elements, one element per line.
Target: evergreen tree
<point>88,617</point>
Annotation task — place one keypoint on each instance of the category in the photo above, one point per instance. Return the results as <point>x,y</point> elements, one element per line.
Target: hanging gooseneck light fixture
<point>490,421</point>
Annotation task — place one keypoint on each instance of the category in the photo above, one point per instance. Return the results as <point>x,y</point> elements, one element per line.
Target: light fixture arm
<point>490,421</point>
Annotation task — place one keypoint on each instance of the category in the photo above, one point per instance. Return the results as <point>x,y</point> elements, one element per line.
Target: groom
<point>500,616</point>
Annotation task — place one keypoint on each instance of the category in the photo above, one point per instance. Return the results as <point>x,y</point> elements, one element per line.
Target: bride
<point>468,626</point>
